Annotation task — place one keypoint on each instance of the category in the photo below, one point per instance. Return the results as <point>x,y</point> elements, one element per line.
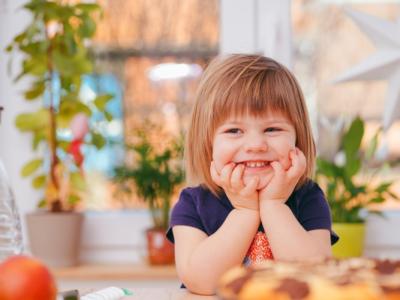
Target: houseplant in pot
<point>351,185</point>
<point>55,58</point>
<point>155,174</point>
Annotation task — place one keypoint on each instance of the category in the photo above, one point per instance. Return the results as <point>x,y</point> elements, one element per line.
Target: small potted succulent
<point>55,53</point>
<point>351,186</point>
<point>154,176</point>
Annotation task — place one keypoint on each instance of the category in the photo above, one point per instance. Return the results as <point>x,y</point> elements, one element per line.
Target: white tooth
<point>255,164</point>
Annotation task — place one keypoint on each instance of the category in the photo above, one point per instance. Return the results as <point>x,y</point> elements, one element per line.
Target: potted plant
<point>351,186</point>
<point>156,172</point>
<point>55,57</point>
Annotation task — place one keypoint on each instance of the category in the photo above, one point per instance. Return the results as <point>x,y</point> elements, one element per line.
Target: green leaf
<point>352,138</point>
<point>38,136</point>
<point>51,10</point>
<point>78,181</point>
<point>42,203</point>
<point>36,91</point>
<point>98,140</point>
<point>35,66</point>
<point>87,7</point>
<point>87,28</point>
<point>69,65</point>
<point>20,37</point>
<point>71,44</point>
<point>69,107</point>
<point>372,146</point>
<point>102,100</point>
<point>74,199</point>
<point>31,167</point>
<point>31,65</point>
<point>352,167</point>
<point>383,187</point>
<point>326,168</point>
<point>34,30</point>
<point>37,50</point>
<point>9,48</point>
<point>39,181</point>
<point>108,116</point>
<point>33,121</point>
<point>378,199</point>
<point>64,145</point>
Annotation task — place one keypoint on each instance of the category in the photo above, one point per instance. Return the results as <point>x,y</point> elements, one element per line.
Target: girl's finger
<point>251,187</point>
<point>282,160</point>
<point>278,168</point>
<point>226,174</point>
<point>237,177</point>
<point>299,164</point>
<point>279,173</point>
<point>293,159</point>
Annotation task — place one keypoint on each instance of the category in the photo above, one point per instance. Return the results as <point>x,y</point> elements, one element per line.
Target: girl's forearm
<point>220,251</point>
<point>288,239</point>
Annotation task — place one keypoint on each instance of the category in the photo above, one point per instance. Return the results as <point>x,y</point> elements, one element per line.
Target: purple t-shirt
<point>198,207</point>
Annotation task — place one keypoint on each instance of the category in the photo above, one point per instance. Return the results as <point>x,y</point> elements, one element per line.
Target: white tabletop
<point>164,294</point>
<point>170,294</point>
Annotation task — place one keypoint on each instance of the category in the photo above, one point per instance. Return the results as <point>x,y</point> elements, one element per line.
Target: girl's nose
<point>256,144</point>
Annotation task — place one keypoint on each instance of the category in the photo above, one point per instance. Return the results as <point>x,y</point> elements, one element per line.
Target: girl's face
<point>254,142</point>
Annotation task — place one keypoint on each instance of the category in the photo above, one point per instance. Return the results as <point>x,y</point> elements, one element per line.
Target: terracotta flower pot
<point>160,250</point>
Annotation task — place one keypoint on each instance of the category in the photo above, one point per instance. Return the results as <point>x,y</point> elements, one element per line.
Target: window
<point>134,38</point>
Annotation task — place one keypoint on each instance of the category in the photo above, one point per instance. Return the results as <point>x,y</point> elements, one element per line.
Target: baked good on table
<point>347,279</point>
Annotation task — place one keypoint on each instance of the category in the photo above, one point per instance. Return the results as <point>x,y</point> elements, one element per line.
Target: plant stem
<point>153,213</point>
<point>166,207</point>
<point>55,203</point>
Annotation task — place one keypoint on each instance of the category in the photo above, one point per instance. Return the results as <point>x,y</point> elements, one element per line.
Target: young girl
<point>249,157</point>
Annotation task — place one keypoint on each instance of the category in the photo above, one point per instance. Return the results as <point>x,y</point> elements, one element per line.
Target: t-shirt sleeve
<point>315,212</point>
<point>185,213</point>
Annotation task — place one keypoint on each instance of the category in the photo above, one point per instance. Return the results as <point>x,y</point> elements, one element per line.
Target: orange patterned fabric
<point>259,250</point>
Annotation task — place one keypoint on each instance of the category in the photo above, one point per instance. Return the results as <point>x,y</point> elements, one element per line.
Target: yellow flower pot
<point>351,242</point>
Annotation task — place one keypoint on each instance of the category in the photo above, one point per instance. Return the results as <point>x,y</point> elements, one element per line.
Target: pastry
<point>349,279</point>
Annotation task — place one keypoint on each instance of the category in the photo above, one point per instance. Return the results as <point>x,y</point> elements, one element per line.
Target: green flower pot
<point>351,242</point>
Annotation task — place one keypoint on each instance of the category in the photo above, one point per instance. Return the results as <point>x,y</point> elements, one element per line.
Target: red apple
<point>26,278</point>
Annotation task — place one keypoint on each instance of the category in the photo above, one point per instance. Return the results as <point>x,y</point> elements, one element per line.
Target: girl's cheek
<point>218,162</point>
<point>218,165</point>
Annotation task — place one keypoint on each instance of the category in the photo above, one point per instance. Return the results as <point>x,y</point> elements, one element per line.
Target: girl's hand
<point>231,180</point>
<point>284,181</point>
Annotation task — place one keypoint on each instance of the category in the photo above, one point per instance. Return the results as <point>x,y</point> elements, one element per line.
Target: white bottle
<point>10,224</point>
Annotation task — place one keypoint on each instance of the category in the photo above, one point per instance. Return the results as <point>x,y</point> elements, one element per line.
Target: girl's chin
<point>261,184</point>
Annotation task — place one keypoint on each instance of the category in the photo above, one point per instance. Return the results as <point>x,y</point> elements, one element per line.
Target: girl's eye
<point>272,129</point>
<point>233,130</point>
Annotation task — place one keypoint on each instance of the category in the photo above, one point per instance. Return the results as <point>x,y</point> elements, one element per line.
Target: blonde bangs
<point>255,96</point>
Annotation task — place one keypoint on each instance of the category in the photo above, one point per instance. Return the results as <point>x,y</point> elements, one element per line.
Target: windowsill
<point>116,272</point>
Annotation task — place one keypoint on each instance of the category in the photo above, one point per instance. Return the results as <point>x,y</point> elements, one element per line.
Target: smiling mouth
<point>256,164</point>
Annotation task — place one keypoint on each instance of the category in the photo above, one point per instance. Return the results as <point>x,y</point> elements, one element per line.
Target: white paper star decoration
<point>384,64</point>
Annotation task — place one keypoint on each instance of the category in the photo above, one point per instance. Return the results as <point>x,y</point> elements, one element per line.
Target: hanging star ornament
<point>384,64</point>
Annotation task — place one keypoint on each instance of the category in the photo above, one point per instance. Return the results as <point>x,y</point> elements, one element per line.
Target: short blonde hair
<point>233,86</point>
